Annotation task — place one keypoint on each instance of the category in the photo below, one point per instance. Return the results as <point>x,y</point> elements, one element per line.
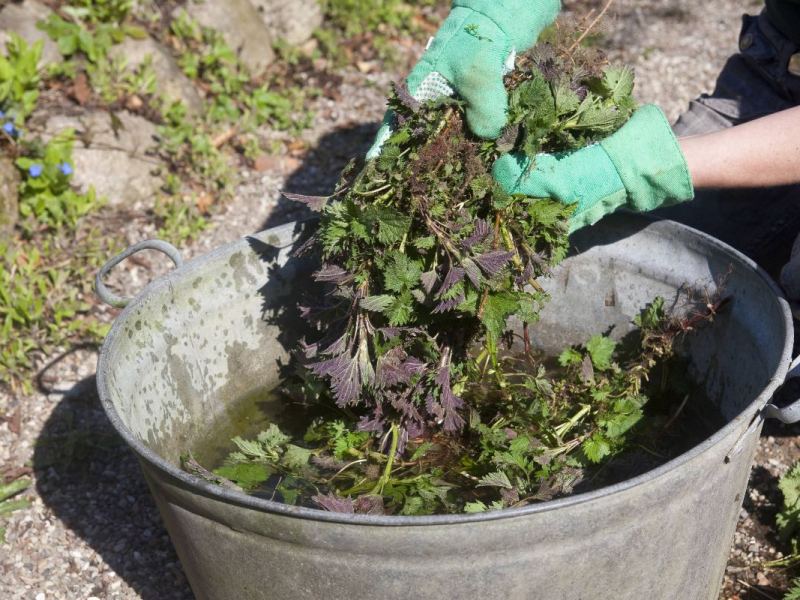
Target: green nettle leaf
<point>652,315</point>
<point>377,303</point>
<point>596,448</point>
<point>618,82</point>
<point>247,475</point>
<point>570,356</point>
<point>296,457</point>
<point>497,309</point>
<point>392,225</point>
<point>601,350</point>
<point>496,479</point>
<point>402,273</point>
<point>475,507</point>
<point>400,311</point>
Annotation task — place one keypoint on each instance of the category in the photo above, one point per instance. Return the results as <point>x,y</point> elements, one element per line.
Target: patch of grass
<point>178,220</point>
<point>42,305</point>
<point>374,23</point>
<point>7,502</point>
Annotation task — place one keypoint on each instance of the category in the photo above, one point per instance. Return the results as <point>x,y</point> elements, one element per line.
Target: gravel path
<point>94,532</point>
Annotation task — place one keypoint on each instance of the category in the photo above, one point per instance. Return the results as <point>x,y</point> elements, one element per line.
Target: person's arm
<point>762,153</point>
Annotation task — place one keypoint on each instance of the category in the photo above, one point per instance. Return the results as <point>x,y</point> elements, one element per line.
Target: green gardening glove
<point>640,167</point>
<point>472,51</point>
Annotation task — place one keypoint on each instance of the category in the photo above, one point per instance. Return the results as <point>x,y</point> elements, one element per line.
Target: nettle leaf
<point>496,310</point>
<point>388,157</point>
<point>473,272</point>
<point>315,203</point>
<point>392,225</point>
<point>652,316</point>
<point>296,457</point>
<point>399,312</point>
<point>617,82</point>
<point>566,99</point>
<point>493,262</point>
<point>246,475</point>
<point>496,479</point>
<point>332,273</point>
<point>570,356</point>
<point>273,437</point>
<point>601,350</point>
<point>596,448</point>
<point>402,273</point>
<point>377,303</point>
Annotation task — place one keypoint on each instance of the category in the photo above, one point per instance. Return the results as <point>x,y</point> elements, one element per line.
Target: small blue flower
<point>9,128</point>
<point>35,170</point>
<point>65,168</point>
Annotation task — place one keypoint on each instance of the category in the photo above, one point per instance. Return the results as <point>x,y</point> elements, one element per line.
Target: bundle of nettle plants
<point>428,395</point>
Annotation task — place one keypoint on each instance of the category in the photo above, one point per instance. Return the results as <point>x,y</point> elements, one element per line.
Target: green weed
<point>47,200</point>
<point>19,78</point>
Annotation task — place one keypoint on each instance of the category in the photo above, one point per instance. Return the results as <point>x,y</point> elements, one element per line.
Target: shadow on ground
<point>320,171</point>
<point>92,483</point>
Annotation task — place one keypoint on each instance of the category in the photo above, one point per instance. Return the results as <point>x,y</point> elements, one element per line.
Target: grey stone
<point>116,164</point>
<point>290,20</point>
<point>240,25</point>
<point>9,194</point>
<point>170,80</point>
<point>21,19</point>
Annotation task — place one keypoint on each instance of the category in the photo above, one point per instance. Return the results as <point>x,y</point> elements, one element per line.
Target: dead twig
<point>591,26</point>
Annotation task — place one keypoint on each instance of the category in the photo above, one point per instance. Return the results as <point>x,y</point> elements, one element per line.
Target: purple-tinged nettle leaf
<point>366,371</point>
<point>345,376</point>
<point>522,279</point>
<point>373,423</point>
<point>390,332</point>
<point>369,504</point>
<point>315,203</point>
<point>332,274</point>
<point>473,272</point>
<point>405,97</point>
<point>429,280</point>
<point>448,305</point>
<point>493,262</point>
<point>415,366</point>
<point>308,350</point>
<point>434,409</point>
<point>449,401</point>
<point>340,345</point>
<point>391,369</point>
<point>334,503</point>
<point>481,231</point>
<point>454,275</point>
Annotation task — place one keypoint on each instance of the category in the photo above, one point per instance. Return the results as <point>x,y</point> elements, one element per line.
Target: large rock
<point>9,197</point>
<point>170,80</point>
<point>21,19</point>
<point>240,25</point>
<point>290,20</point>
<point>117,164</point>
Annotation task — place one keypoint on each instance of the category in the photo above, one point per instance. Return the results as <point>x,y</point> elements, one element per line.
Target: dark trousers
<point>755,82</point>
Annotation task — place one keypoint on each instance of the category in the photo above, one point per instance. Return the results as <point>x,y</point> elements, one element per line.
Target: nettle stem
<point>387,470</point>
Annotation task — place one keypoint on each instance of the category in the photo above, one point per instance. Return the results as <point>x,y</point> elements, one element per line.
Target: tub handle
<point>788,414</point>
<point>110,297</point>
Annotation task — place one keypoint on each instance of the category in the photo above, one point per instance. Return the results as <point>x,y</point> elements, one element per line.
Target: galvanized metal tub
<point>196,341</point>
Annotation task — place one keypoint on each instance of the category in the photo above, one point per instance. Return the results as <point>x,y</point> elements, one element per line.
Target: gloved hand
<point>640,167</point>
<point>470,54</point>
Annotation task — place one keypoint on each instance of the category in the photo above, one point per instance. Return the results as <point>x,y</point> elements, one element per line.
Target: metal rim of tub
<point>261,504</point>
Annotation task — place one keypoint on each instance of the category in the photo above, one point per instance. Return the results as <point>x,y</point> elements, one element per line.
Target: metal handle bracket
<point>115,300</point>
<point>791,413</point>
